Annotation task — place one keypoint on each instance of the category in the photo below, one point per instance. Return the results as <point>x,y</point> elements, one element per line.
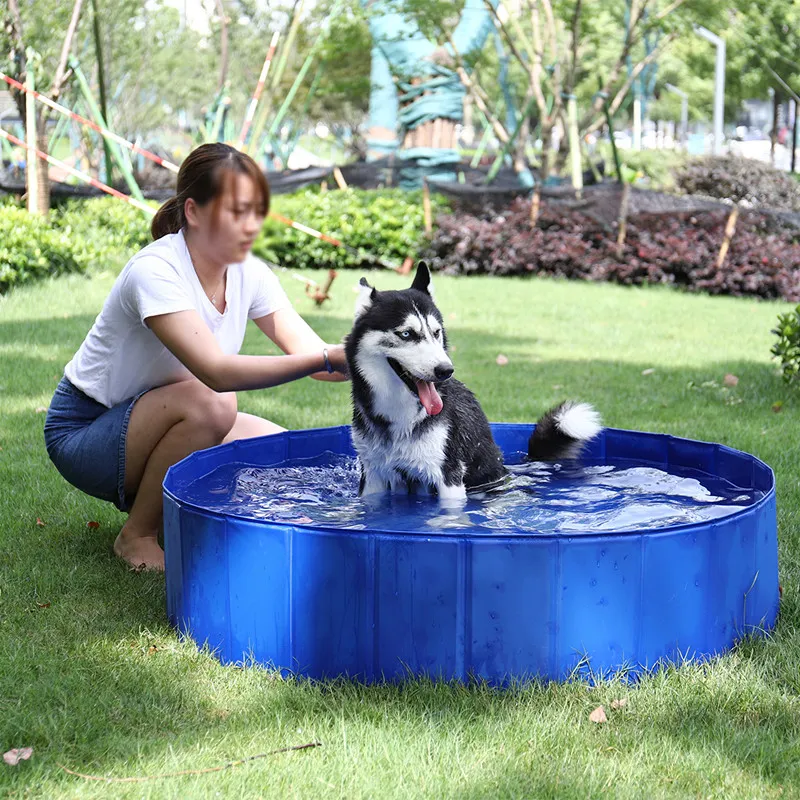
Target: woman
<point>155,378</point>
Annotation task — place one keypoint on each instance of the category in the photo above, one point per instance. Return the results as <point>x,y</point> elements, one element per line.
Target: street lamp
<point>684,111</point>
<point>719,84</point>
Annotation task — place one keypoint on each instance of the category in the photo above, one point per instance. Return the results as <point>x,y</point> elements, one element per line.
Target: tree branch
<point>576,21</point>
<point>58,80</point>
<point>478,95</point>
<point>635,72</point>
<point>634,37</point>
<point>18,43</point>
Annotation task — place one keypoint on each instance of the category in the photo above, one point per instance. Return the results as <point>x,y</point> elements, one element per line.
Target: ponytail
<point>201,179</point>
<point>169,218</point>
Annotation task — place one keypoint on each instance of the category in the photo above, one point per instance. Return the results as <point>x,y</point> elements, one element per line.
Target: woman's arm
<point>294,335</point>
<point>188,338</point>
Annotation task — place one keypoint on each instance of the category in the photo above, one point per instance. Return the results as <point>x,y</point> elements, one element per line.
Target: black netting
<point>470,192</point>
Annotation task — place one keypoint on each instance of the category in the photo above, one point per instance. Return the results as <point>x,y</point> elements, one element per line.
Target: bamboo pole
<point>34,152</point>
<point>340,181</point>
<point>536,202</point>
<point>31,178</point>
<point>102,122</point>
<point>730,229</point>
<point>283,55</point>
<point>426,206</point>
<point>101,80</point>
<point>623,218</point>
<point>251,108</point>
<point>88,123</point>
<point>574,145</point>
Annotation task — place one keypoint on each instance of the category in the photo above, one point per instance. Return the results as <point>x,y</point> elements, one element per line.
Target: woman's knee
<point>214,411</point>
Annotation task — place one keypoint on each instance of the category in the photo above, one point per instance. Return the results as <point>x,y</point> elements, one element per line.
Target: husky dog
<point>415,427</point>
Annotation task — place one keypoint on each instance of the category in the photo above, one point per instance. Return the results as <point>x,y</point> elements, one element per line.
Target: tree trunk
<point>42,175</point>
<point>520,160</point>
<point>547,150</point>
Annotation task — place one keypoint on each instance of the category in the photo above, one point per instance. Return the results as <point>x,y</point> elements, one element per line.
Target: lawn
<point>94,679</point>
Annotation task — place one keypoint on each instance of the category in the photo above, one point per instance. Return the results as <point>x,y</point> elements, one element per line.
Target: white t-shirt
<point>121,357</point>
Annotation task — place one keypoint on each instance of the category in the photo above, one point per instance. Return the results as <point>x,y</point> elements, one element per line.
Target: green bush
<point>658,167</point>
<point>386,224</point>
<point>104,223</point>
<point>103,233</point>
<point>99,233</point>
<point>787,348</point>
<point>30,249</point>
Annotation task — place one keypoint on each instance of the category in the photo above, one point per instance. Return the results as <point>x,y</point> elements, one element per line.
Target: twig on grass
<point>142,778</point>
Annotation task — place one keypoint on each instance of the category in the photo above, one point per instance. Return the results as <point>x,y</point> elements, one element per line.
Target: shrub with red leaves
<point>678,248</point>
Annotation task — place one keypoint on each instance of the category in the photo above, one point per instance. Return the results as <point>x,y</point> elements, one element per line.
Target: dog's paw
<point>452,496</point>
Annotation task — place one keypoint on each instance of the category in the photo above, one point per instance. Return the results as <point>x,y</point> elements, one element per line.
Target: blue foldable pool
<point>653,549</point>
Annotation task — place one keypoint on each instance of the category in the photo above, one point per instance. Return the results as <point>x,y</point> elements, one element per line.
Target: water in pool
<point>537,498</point>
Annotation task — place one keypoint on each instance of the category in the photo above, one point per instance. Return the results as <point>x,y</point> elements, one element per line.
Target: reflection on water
<point>537,498</point>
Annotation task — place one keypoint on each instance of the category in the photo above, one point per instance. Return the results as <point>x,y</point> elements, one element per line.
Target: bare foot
<point>141,552</point>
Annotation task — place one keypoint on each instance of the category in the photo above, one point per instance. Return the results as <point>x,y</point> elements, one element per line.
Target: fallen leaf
<point>502,360</point>
<point>39,522</point>
<point>777,407</point>
<point>151,650</point>
<point>43,605</point>
<point>621,703</point>
<point>41,409</point>
<point>730,380</point>
<point>557,386</point>
<point>15,755</point>
<point>649,371</point>
<point>598,715</point>
<point>92,524</point>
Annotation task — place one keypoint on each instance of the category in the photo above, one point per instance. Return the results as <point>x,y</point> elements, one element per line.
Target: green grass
<point>93,677</point>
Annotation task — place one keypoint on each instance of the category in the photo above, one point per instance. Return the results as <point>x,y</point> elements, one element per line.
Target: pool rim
<point>457,533</point>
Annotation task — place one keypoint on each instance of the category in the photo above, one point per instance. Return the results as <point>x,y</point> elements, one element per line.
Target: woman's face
<point>239,219</point>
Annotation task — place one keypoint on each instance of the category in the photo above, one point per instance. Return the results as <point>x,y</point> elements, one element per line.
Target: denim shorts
<point>86,442</point>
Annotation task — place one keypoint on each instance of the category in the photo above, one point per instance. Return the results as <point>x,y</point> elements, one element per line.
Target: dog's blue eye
<point>404,334</point>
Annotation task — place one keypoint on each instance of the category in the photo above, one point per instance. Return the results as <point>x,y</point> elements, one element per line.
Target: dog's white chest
<point>420,455</point>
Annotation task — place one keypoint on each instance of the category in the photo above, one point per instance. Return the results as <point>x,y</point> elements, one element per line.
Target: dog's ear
<point>422,280</point>
<point>366,296</point>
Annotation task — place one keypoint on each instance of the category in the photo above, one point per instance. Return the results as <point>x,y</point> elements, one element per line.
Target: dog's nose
<point>443,371</point>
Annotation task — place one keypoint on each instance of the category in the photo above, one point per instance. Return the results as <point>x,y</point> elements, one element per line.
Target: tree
<point>30,47</point>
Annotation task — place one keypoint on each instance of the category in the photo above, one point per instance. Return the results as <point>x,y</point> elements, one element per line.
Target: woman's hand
<point>337,359</point>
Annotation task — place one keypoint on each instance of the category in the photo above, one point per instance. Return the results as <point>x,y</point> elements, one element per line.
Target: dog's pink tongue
<point>429,397</point>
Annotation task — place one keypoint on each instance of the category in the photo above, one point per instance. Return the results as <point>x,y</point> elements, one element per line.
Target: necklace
<point>213,297</point>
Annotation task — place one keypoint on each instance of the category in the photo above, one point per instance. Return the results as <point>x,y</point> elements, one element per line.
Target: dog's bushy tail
<point>562,432</point>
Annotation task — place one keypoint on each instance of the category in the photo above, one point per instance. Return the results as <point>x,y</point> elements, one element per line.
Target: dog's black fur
<point>465,450</point>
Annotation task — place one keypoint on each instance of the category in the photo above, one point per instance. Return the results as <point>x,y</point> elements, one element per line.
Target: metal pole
<point>719,84</point>
<point>684,121</point>
<point>684,111</point>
